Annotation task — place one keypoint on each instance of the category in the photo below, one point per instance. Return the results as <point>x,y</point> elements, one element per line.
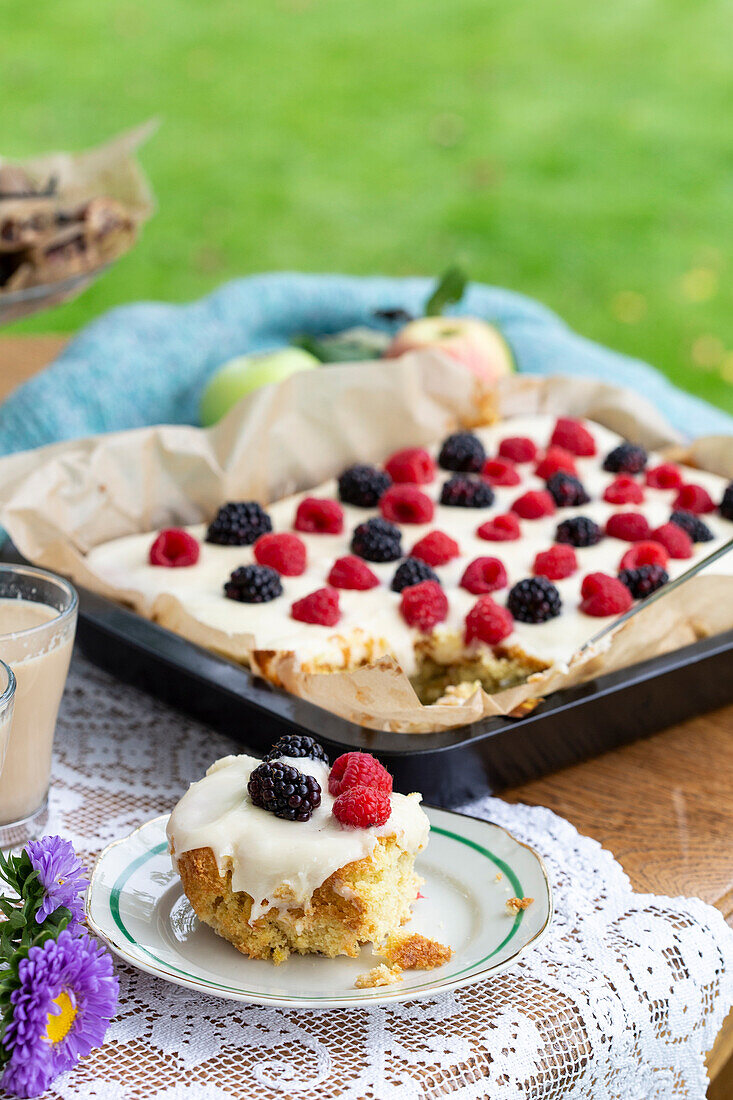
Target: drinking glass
<point>38,614</point>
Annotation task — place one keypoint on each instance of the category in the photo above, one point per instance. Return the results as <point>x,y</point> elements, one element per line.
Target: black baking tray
<point>449,768</point>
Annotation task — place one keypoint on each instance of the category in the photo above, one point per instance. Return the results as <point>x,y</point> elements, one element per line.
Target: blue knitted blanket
<point>147,363</point>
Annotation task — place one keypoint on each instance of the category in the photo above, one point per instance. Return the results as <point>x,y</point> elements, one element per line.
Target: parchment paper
<point>60,501</point>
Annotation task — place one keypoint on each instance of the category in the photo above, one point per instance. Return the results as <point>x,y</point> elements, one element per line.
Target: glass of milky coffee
<point>37,626</point>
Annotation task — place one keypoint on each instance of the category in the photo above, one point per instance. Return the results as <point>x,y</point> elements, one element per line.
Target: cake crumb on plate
<point>515,905</point>
<point>415,952</point>
<point>379,975</point>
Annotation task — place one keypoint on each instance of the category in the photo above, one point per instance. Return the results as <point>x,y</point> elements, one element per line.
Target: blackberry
<point>534,600</point>
<point>463,452</point>
<point>284,791</point>
<point>466,492</point>
<point>643,581</point>
<point>410,572</point>
<point>696,528</point>
<point>377,540</point>
<point>566,490</point>
<point>254,584</point>
<point>578,531</point>
<point>726,504</point>
<point>627,458</point>
<point>239,523</point>
<point>297,744</point>
<point>363,485</point>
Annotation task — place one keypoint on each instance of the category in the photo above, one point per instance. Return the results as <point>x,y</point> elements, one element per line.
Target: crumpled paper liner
<point>60,501</point>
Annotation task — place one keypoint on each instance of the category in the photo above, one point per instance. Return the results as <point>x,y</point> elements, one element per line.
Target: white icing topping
<point>265,852</point>
<point>123,562</point>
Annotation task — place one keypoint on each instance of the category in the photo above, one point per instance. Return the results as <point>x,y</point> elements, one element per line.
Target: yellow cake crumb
<point>498,876</point>
<point>515,905</point>
<point>379,975</point>
<point>415,952</point>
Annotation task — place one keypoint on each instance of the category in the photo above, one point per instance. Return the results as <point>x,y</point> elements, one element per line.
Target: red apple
<point>475,343</point>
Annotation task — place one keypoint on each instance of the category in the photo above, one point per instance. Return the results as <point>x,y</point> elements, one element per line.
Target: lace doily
<point>620,1002</point>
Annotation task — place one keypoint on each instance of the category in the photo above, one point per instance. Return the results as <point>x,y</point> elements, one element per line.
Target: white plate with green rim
<point>471,868</point>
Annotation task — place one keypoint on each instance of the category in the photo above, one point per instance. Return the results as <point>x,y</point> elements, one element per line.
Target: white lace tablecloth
<point>620,1002</point>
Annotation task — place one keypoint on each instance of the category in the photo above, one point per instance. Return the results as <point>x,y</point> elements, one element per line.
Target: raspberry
<point>573,436</point>
<point>363,485</point>
<point>463,452</point>
<point>644,553</point>
<point>488,622</point>
<point>666,476</point>
<point>555,459</point>
<point>643,581</point>
<point>696,528</point>
<point>500,529</point>
<point>436,548</point>
<point>578,531</point>
<point>174,548</point>
<point>726,504</point>
<point>627,458</point>
<point>424,605</point>
<point>566,490</point>
<point>675,541</point>
<point>297,745</point>
<point>518,448</point>
<point>695,499</point>
<point>406,504</point>
<point>556,563</point>
<point>284,791</point>
<point>500,471</point>
<point>377,540</point>
<point>239,523</point>
<point>603,595</point>
<point>624,490</point>
<point>358,769</point>
<point>320,608</point>
<point>629,526</point>
<point>283,552</point>
<point>534,600</point>
<point>484,575</point>
<point>362,807</point>
<point>466,492</point>
<point>412,571</point>
<point>253,584</point>
<point>352,572</point>
<point>534,504</point>
<point>317,516</point>
<point>413,465</point>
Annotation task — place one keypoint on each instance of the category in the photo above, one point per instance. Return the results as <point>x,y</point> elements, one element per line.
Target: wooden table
<point>663,806</point>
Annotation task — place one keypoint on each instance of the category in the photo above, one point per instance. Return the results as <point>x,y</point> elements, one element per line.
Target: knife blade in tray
<point>660,593</point>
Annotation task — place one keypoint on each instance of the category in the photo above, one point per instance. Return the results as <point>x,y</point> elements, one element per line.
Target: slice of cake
<point>290,855</point>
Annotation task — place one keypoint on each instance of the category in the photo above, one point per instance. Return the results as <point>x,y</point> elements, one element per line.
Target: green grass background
<point>580,153</point>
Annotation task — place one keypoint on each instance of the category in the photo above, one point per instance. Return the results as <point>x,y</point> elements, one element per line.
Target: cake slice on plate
<point>292,855</point>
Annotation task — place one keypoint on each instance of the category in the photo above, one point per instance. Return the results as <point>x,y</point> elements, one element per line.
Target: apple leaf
<point>340,348</point>
<point>450,289</point>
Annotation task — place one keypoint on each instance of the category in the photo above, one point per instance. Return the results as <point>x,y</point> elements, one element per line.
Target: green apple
<point>240,376</point>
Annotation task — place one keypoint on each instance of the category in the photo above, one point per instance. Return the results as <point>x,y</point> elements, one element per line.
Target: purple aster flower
<point>61,876</point>
<point>66,997</point>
